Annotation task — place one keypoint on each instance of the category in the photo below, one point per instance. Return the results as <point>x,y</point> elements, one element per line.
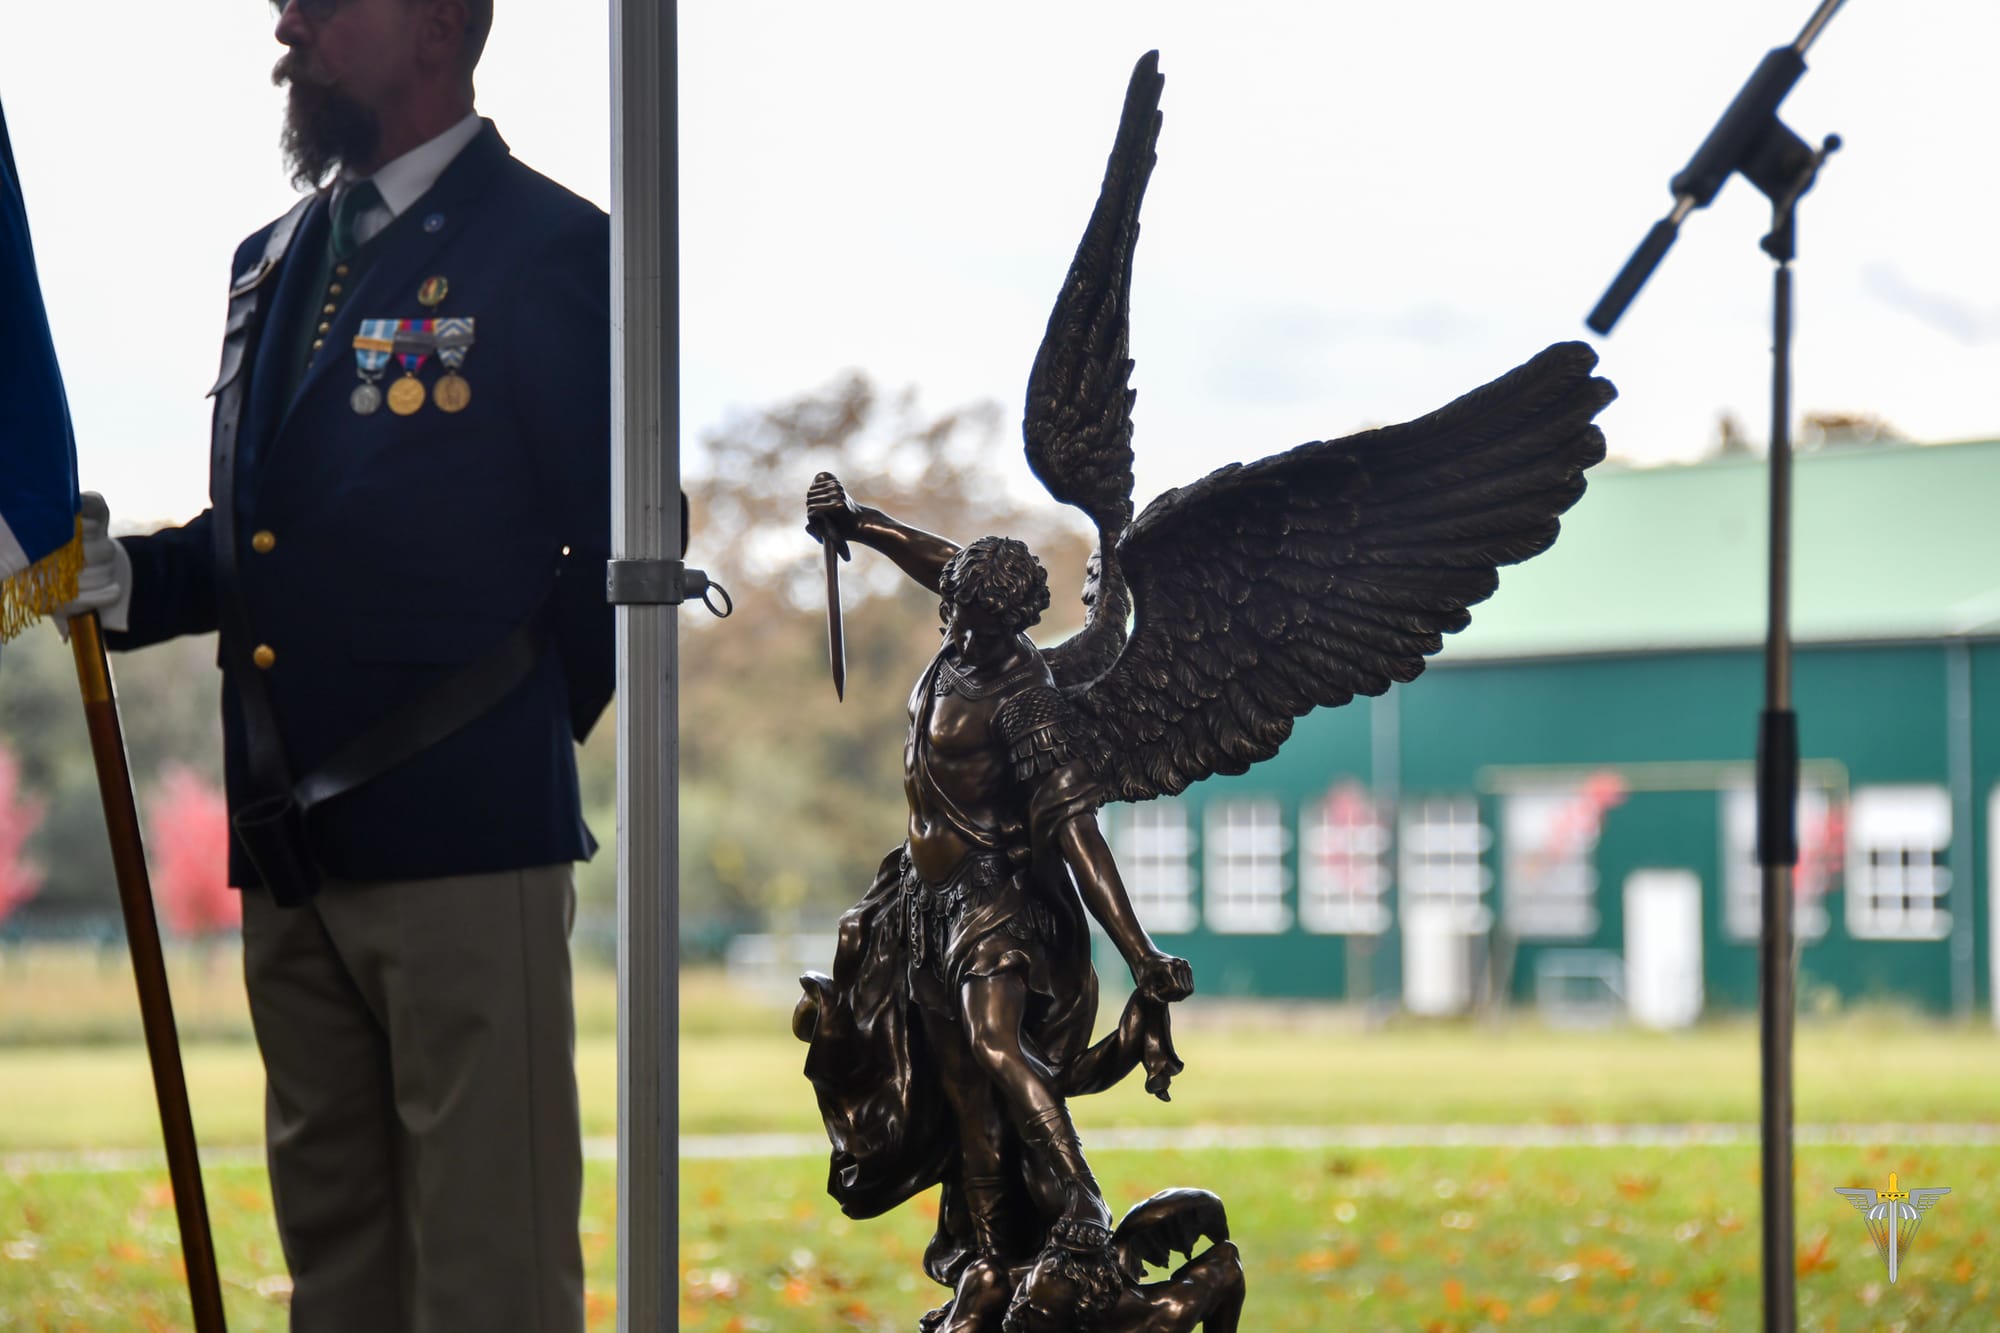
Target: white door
<point>1663,947</point>
<point>1437,960</point>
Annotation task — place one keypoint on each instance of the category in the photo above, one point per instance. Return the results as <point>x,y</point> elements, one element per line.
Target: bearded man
<point>404,554</point>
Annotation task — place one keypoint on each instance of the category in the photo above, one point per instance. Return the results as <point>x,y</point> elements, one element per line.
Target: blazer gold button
<point>327,309</point>
<point>262,542</point>
<point>318,343</point>
<point>324,326</point>
<point>340,271</point>
<point>264,657</point>
<point>334,290</point>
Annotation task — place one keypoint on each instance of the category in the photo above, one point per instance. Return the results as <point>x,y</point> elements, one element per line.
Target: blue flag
<point>40,550</point>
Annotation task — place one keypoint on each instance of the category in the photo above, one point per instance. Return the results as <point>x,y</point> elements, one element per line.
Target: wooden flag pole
<point>149,969</point>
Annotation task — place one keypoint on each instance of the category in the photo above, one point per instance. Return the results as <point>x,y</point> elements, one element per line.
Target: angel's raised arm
<point>921,555</point>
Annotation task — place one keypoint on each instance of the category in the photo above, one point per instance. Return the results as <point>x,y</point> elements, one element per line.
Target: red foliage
<point>188,834</point>
<point>20,878</point>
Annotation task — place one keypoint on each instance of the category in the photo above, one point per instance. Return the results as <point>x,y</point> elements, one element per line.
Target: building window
<point>1896,876</point>
<point>1343,864</point>
<point>1153,859</point>
<point>1442,847</point>
<point>1822,846</point>
<point>1549,838</point>
<point>1243,884</point>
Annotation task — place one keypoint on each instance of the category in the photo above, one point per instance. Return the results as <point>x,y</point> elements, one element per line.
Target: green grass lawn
<point>1449,1239</point>
<point>99,1095</point>
<point>1455,1239</point>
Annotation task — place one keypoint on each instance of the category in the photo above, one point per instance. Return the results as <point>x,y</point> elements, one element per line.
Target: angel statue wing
<point>1171,1222</point>
<point>1078,421</point>
<point>1296,582</point>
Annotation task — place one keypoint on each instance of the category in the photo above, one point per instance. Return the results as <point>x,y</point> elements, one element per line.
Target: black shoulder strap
<point>406,730</point>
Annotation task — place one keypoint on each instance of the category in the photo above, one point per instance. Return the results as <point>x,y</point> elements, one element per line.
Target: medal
<point>431,295</point>
<point>372,346</point>
<point>454,340</point>
<point>406,395</point>
<point>413,344</point>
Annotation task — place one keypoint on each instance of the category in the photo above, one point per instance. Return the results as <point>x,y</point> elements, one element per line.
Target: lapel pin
<point>431,295</point>
<point>435,222</point>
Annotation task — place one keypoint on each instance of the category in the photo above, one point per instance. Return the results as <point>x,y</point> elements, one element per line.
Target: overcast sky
<point>1360,211</point>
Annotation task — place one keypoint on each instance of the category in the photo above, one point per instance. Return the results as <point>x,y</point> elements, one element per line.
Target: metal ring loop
<point>707,600</point>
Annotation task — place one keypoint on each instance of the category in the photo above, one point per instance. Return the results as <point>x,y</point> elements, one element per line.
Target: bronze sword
<point>836,643</point>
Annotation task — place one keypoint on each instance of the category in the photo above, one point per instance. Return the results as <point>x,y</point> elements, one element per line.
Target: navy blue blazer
<point>381,553</point>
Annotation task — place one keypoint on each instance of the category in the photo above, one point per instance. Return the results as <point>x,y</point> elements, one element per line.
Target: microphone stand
<point>1750,139</point>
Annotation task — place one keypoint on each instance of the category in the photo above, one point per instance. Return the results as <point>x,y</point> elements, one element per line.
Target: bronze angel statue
<point>954,1030</point>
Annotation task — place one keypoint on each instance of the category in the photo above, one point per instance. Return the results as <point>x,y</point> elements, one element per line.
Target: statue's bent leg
<point>980,1126</point>
<point>994,1006</point>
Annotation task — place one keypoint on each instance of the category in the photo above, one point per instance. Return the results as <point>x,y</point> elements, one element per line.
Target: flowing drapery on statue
<point>952,1033</point>
<point>41,555</point>
<point>41,551</point>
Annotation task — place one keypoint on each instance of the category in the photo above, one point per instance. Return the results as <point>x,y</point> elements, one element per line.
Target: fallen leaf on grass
<point>1454,1294</point>
<point>1814,1257</point>
<point>1543,1303</point>
<point>1638,1187</point>
<point>1327,1260</point>
<point>1608,1258</point>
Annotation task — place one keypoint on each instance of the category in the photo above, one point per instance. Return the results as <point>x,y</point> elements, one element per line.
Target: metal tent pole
<point>645,541</point>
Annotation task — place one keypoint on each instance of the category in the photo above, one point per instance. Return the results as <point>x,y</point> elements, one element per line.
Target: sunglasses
<point>312,11</point>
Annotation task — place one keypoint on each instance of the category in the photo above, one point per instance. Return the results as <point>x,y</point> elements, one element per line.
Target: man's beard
<point>324,127</point>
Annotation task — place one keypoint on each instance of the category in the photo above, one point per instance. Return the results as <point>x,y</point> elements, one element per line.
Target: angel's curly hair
<point>999,576</point>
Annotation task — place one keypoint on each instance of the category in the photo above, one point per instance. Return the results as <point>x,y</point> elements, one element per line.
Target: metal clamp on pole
<point>663,583</point>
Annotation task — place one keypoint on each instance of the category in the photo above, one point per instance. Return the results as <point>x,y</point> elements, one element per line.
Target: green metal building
<point>1560,810</point>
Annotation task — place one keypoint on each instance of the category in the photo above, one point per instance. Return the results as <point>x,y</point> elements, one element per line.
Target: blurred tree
<point>1730,439</point>
<point>187,836</point>
<point>1836,428</point>
<point>20,878</point>
<point>168,707</point>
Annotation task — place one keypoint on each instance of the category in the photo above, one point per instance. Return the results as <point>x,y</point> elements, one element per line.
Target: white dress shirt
<point>403,181</point>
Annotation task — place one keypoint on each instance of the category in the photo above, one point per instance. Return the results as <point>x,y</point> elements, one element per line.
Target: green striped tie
<point>354,201</point>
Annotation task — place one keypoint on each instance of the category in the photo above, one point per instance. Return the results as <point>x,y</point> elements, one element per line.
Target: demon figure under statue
<point>954,1032</point>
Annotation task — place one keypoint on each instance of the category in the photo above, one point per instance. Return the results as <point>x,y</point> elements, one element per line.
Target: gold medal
<point>451,393</point>
<point>406,395</point>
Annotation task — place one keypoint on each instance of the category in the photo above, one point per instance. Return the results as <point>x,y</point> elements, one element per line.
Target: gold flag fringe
<point>31,593</point>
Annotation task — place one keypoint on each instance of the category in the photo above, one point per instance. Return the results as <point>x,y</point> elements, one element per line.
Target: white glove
<point>105,585</point>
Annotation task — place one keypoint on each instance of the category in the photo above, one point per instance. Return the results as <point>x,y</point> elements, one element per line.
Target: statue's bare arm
<point>1157,975</point>
<point>921,555</point>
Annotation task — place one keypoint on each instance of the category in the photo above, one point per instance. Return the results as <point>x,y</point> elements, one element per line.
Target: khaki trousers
<point>421,1116</point>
